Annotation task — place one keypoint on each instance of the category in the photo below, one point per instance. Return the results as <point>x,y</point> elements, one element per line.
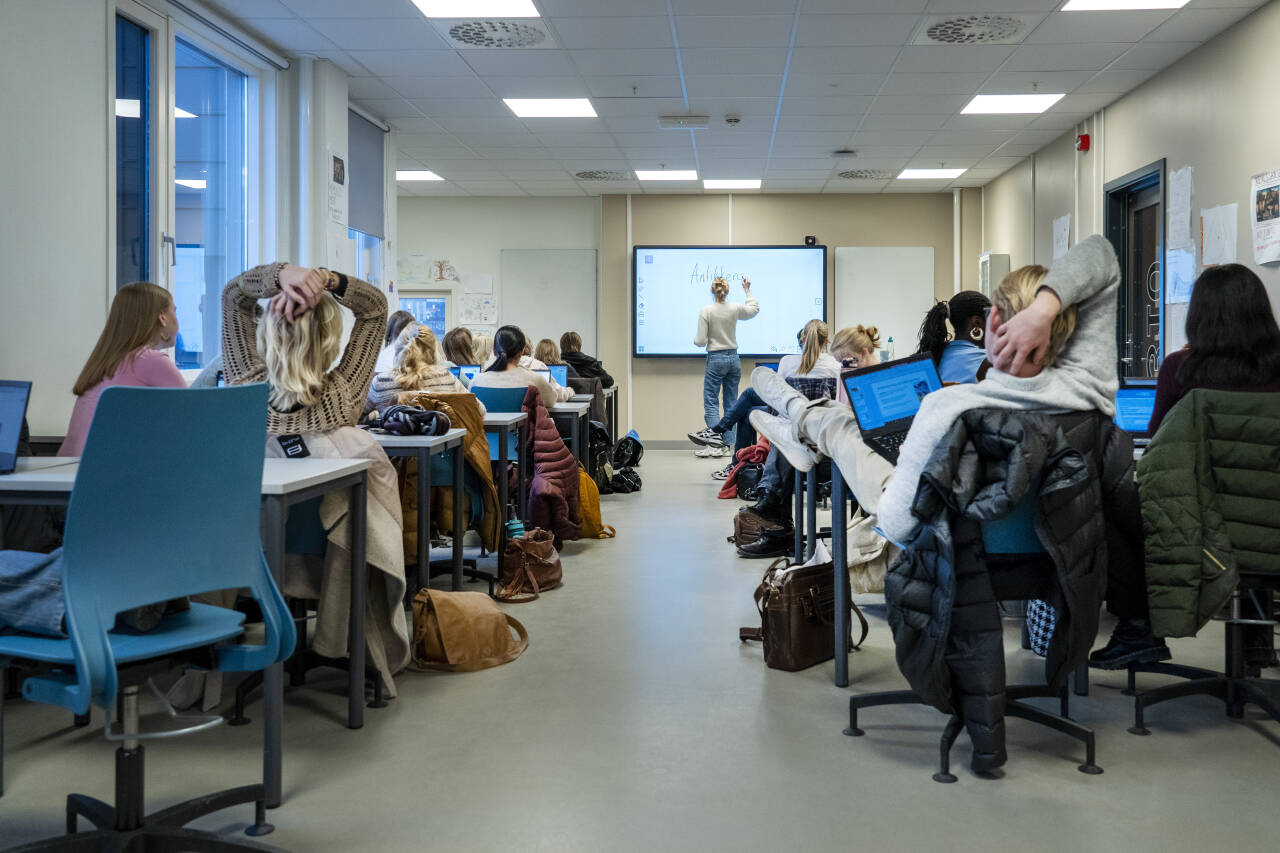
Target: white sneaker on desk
<point>781,434</point>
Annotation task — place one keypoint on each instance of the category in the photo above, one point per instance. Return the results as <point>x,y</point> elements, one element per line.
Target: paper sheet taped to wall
<point>1180,209</point>
<point>1218,231</point>
<point>1061,235</point>
<point>1179,275</point>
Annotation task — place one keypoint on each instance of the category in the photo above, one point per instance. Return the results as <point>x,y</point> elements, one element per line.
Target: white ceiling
<point>855,76</point>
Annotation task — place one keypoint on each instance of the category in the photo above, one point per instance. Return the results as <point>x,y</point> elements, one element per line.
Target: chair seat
<point>202,625</point>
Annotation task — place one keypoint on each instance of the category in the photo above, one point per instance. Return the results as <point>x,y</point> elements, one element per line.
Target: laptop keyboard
<point>888,444</point>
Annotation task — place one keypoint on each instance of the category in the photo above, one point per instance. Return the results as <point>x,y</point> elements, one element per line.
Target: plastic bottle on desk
<point>888,350</point>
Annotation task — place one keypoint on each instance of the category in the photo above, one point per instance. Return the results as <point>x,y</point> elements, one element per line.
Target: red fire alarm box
<point>1082,142</point>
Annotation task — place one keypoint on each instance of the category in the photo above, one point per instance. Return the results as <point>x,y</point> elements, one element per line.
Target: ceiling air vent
<point>469,34</point>
<point>602,175</point>
<point>975,29</point>
<point>866,174</point>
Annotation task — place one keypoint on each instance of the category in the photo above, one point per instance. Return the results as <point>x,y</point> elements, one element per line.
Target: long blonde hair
<point>483,349</point>
<point>1017,291</point>
<point>719,288</point>
<point>853,341</point>
<point>132,323</point>
<point>815,336</point>
<point>415,356</point>
<point>297,355</point>
<point>546,352</point>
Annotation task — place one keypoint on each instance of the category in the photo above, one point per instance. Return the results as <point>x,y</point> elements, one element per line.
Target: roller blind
<point>366,176</point>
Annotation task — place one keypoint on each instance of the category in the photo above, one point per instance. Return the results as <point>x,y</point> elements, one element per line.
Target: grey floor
<point>636,721</point>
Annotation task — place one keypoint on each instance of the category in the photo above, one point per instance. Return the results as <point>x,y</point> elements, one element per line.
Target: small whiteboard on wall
<point>547,292</point>
<point>889,287</point>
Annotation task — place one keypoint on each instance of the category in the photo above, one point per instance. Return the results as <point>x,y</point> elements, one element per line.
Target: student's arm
<point>545,391</point>
<point>701,339</point>
<point>240,360</point>
<point>369,306</point>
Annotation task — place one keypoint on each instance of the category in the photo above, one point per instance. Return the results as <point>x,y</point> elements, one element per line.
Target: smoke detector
<point>494,33</point>
<point>975,29</point>
<point>602,175</point>
<point>866,174</point>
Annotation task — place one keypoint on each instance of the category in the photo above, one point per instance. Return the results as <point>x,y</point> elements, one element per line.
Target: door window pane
<point>368,257</point>
<point>133,146</point>
<point>210,193</point>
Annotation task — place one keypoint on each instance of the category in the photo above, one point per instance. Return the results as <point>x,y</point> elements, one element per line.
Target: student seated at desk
<point>586,366</point>
<point>528,362</point>
<point>482,353</point>
<point>960,358</point>
<point>507,370</point>
<point>141,323</point>
<point>1051,335</point>
<point>397,322</point>
<point>312,411</point>
<point>547,353</point>
<point>415,369</point>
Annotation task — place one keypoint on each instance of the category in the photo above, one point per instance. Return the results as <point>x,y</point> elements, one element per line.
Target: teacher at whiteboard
<point>717,331</point>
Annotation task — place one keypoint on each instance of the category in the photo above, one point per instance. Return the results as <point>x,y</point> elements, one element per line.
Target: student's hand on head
<point>1017,347</point>
<point>301,288</point>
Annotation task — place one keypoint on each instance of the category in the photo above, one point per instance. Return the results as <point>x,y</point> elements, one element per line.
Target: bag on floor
<point>749,526</point>
<point>462,632</point>
<point>628,451</point>
<point>593,526</point>
<point>626,481</point>
<point>530,566</point>
<point>797,613</point>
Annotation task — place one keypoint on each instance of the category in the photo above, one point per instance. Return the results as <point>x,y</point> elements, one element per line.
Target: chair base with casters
<point>126,827</point>
<point>298,666</point>
<point>1236,687</point>
<point>1014,707</point>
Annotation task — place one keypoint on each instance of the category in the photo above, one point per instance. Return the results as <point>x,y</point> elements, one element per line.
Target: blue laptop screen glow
<point>13,408</point>
<point>1133,409</point>
<point>454,370</point>
<point>467,372</point>
<point>560,373</point>
<point>884,396</point>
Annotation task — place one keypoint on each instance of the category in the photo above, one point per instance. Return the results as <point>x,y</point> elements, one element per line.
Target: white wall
<point>53,220</point>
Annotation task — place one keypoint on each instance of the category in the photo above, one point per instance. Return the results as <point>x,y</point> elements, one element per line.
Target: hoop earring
<point>976,334</point>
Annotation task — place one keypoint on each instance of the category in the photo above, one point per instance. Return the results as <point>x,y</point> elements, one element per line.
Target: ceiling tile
<point>412,63</point>
<point>794,164</point>
<point>833,85</point>
<point>908,104</point>
<point>733,85</point>
<point>725,60</point>
<point>463,107</point>
<point>1154,55</point>
<point>566,125</point>
<point>1059,121</point>
<point>1022,82</point>
<point>954,156</point>
<point>484,140</point>
<point>971,137</point>
<point>1093,27</point>
<point>631,124</point>
<point>731,32</point>
<point>644,87</point>
<point>899,83</point>
<point>520,86</point>
<point>937,58</point>
<point>824,7</point>
<point>1114,82</point>
<point>438,87</point>
<point>366,88</point>
<point>837,60</point>
<point>343,60</point>
<point>292,36</point>
<point>629,32</point>
<point>825,106</point>
<point>362,34</point>
<point>601,8</point>
<point>800,124</point>
<point>510,63</point>
<point>643,62</point>
<point>1063,57</point>
<point>1000,162</point>
<point>721,7</point>
<point>1039,138</point>
<point>1197,24</point>
<point>404,141</point>
<point>989,122</point>
<point>842,30</point>
<point>890,137</point>
<point>577,140</point>
<point>391,109</point>
<point>1082,103</point>
<point>409,126</point>
<point>637,106</point>
<point>508,124</point>
<point>993,5</point>
<point>912,121</point>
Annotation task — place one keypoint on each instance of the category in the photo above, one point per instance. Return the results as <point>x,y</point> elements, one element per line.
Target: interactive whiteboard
<point>671,284</point>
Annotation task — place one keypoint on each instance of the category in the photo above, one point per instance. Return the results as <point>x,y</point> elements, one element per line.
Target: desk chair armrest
<point>57,688</point>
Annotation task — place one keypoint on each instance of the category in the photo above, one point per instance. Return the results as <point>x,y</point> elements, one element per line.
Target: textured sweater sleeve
<point>240,360</point>
<point>749,309</point>
<point>701,339</point>
<point>361,355</point>
<point>1088,277</point>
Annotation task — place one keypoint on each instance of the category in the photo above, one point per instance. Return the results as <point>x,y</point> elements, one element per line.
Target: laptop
<point>13,409</point>
<point>1133,413</point>
<point>772,365</point>
<point>454,370</point>
<point>885,398</point>
<point>467,372</point>
<point>545,374</point>
<point>560,373</point>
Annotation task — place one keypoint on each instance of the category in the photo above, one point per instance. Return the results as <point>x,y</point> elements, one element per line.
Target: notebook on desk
<point>1133,413</point>
<point>13,409</point>
<point>560,373</point>
<point>885,399</point>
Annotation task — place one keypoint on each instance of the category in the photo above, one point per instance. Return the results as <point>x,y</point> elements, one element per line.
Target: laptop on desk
<point>467,372</point>
<point>885,398</point>
<point>560,373</point>
<point>1133,413</point>
<point>13,409</point>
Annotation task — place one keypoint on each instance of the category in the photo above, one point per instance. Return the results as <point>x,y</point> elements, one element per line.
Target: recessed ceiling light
<point>664,175</point>
<point>746,184</point>
<point>179,112</point>
<point>929,174</point>
<point>416,175</point>
<point>128,108</point>
<point>551,107</point>
<point>191,183</point>
<point>1121,5</point>
<point>477,8</point>
<point>1007,104</point>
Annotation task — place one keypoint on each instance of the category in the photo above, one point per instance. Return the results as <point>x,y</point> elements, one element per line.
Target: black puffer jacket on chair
<point>942,598</point>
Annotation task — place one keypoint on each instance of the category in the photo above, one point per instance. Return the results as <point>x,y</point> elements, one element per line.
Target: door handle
<point>172,242</point>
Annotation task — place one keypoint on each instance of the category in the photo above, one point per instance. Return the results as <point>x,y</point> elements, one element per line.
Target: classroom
<point>618,425</point>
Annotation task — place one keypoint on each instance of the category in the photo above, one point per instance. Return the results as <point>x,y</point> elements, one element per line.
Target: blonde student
<point>415,369</point>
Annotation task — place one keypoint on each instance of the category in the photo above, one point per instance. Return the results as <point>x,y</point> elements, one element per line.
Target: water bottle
<point>889,352</point>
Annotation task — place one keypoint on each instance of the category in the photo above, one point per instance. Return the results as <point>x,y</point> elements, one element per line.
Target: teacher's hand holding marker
<point>717,331</point>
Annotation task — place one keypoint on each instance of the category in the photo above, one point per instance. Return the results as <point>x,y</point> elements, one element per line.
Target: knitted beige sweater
<point>387,389</point>
<point>342,398</point>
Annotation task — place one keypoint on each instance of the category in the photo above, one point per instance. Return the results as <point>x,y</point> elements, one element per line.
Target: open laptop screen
<point>890,392</point>
<point>1133,410</point>
<point>13,408</point>
<point>560,373</point>
<point>772,365</point>
<point>467,372</point>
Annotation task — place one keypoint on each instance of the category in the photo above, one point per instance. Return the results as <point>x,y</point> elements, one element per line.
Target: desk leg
<point>424,520</point>
<point>273,517</point>
<point>575,435</point>
<point>811,513</point>
<point>840,568</point>
<point>797,515</point>
<point>459,492</point>
<point>355,621</point>
<point>525,462</point>
<point>504,488</point>
<point>613,417</point>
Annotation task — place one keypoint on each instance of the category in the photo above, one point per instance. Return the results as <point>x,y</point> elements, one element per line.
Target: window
<point>210,196</point>
<point>133,152</point>
<point>1135,227</point>
<point>368,257</point>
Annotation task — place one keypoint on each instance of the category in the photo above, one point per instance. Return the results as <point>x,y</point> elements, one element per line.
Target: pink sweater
<point>144,367</point>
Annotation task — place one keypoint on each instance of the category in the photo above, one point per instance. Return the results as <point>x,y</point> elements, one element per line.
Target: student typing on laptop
<point>1051,338</point>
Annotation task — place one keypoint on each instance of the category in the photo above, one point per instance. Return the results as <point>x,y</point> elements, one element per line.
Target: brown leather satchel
<point>462,632</point>
<point>797,614</point>
<point>749,525</point>
<point>530,566</point>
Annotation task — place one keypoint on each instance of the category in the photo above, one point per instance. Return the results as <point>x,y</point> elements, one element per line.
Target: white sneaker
<point>707,438</point>
<point>706,452</point>
<point>723,473</point>
<point>775,391</point>
<point>724,450</point>
<point>780,433</point>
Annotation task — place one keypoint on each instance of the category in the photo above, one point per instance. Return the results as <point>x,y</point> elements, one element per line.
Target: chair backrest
<point>1014,533</point>
<point>166,504</point>
<point>500,399</point>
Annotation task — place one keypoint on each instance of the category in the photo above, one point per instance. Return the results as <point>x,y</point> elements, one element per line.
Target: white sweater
<point>718,323</point>
<point>516,377</point>
<point>826,367</point>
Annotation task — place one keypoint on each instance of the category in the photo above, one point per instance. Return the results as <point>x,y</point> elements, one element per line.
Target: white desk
<point>24,464</point>
<point>285,482</point>
<point>422,448</point>
<point>577,415</point>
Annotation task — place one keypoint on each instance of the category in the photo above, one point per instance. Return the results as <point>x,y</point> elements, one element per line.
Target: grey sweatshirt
<point>1082,378</point>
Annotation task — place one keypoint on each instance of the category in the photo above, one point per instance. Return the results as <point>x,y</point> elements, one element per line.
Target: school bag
<point>462,632</point>
<point>628,451</point>
<point>530,567</point>
<point>749,526</point>
<point>593,526</point>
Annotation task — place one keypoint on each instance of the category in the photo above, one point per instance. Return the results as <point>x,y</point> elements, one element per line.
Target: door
<point>1135,227</point>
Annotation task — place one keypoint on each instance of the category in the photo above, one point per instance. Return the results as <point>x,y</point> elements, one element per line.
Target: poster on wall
<point>1061,235</point>
<point>337,167</point>
<point>477,309</point>
<point>414,268</point>
<point>1180,209</point>
<point>443,271</point>
<point>1265,192</point>
<point>1218,234</point>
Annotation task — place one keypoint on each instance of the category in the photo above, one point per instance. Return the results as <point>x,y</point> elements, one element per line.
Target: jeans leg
<point>738,412</point>
<point>711,390</point>
<point>729,392</point>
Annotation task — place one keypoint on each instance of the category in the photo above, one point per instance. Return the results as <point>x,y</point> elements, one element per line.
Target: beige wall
<point>1007,203</point>
<point>666,394</point>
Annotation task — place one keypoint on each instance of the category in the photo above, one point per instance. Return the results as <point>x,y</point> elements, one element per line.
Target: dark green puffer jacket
<point>1210,487</point>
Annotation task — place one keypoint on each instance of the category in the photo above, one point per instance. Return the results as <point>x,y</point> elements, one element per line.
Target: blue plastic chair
<point>502,400</point>
<point>132,539</point>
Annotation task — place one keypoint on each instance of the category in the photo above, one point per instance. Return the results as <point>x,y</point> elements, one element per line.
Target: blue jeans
<point>724,371</point>
<point>736,417</point>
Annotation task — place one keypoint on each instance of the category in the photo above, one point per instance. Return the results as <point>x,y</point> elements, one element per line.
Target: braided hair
<point>934,334</point>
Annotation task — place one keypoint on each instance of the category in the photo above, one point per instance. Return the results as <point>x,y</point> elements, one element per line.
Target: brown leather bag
<point>797,615</point>
<point>530,566</point>
<point>748,526</point>
<point>462,632</point>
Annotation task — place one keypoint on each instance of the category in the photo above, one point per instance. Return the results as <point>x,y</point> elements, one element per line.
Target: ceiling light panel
<point>667,175</point>
<point>929,174</point>
<point>744,184</point>
<point>1121,5</point>
<point>416,175</point>
<point>477,8</point>
<point>551,107</point>
<point>191,184</point>
<point>1011,104</point>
